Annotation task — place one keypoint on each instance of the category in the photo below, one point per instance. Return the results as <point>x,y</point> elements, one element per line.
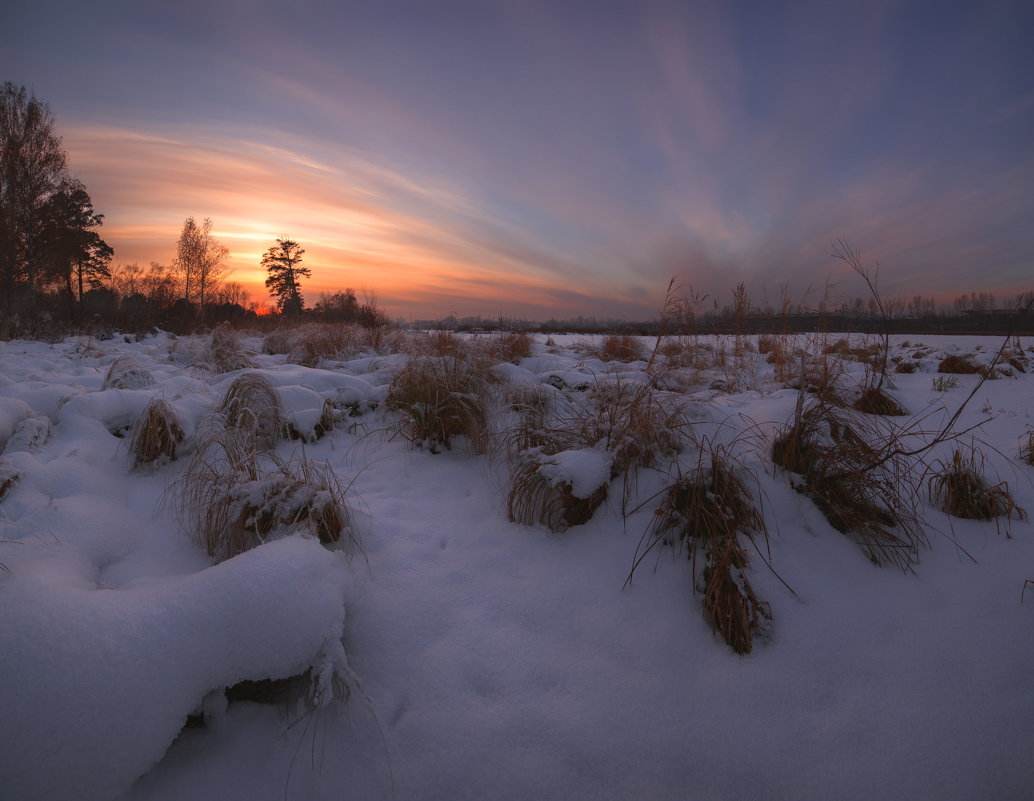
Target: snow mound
<point>96,684</point>
<point>585,469</point>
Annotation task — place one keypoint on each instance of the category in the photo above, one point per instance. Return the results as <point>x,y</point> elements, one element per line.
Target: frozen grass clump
<point>509,347</point>
<point>621,348</point>
<point>156,434</point>
<point>874,400</point>
<point>958,365</point>
<point>558,490</point>
<point>126,373</point>
<point>233,498</point>
<point>226,351</point>
<point>439,399</point>
<point>252,404</point>
<point>29,435</point>
<point>857,477</point>
<point>958,487</point>
<point>709,514</point>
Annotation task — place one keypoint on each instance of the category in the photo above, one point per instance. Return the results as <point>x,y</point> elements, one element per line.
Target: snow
<point>487,659</point>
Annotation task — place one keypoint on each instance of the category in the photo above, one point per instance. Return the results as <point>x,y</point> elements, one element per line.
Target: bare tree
<point>201,260</point>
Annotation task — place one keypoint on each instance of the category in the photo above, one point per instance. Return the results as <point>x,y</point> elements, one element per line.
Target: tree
<point>76,256</point>
<point>32,168</point>
<point>201,259</point>
<point>282,263</point>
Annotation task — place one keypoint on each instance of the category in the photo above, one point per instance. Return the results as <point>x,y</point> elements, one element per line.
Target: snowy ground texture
<point>485,658</point>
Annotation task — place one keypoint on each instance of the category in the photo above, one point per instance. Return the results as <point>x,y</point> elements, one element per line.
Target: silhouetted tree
<point>32,168</point>
<point>201,259</point>
<point>282,263</point>
<point>76,256</point>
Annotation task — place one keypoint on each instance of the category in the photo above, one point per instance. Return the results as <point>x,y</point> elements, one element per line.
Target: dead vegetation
<point>958,487</point>
<point>439,399</point>
<point>251,404</point>
<point>857,476</point>
<point>233,497</point>
<point>958,365</point>
<point>709,513</point>
<point>226,350</point>
<point>155,435</point>
<point>126,373</point>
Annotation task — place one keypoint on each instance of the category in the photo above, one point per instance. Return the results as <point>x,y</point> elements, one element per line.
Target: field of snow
<point>482,658</point>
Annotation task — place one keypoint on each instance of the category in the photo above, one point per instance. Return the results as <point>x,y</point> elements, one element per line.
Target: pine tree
<point>282,263</point>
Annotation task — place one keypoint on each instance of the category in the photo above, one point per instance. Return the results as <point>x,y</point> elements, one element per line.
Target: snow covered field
<point>485,659</point>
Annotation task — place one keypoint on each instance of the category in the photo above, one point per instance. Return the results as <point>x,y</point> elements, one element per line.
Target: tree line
<point>57,272</point>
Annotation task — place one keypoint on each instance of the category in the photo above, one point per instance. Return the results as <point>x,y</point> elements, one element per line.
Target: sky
<point>554,159</point>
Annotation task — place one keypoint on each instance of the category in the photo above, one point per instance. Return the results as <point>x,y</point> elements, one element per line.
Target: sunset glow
<point>539,160</point>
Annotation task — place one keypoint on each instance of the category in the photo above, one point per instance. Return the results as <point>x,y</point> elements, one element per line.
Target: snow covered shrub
<point>436,399</point>
<point>155,434</point>
<point>125,373</point>
<point>558,490</point>
<point>225,351</point>
<point>252,404</point>
<point>233,498</point>
<point>874,400</point>
<point>705,513</point>
<point>858,478</point>
<point>905,366</point>
<point>961,365</point>
<point>958,488</point>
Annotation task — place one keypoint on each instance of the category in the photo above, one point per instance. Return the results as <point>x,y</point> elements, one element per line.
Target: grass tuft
<point>156,434</point>
<point>438,399</point>
<point>958,488</point>
<point>125,373</point>
<point>874,400</point>
<point>232,498</point>
<point>252,405</point>
<point>226,351</point>
<point>858,479</point>
<point>706,513</point>
<point>958,365</point>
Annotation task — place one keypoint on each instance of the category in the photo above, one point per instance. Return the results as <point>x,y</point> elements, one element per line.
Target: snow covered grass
<point>470,654</point>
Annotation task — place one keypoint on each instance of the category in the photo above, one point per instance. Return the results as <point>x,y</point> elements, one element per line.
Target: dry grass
<point>905,366</point>
<point>958,488</point>
<point>226,351</point>
<point>958,365</point>
<point>705,513</point>
<point>1027,448</point>
<point>536,498</point>
<point>155,435</point>
<point>621,348</point>
<point>125,373</point>
<point>316,342</point>
<point>510,347</point>
<point>944,383</point>
<point>858,478</point>
<point>232,497</point>
<point>252,405</point>
<point>874,400</point>
<point>439,399</point>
